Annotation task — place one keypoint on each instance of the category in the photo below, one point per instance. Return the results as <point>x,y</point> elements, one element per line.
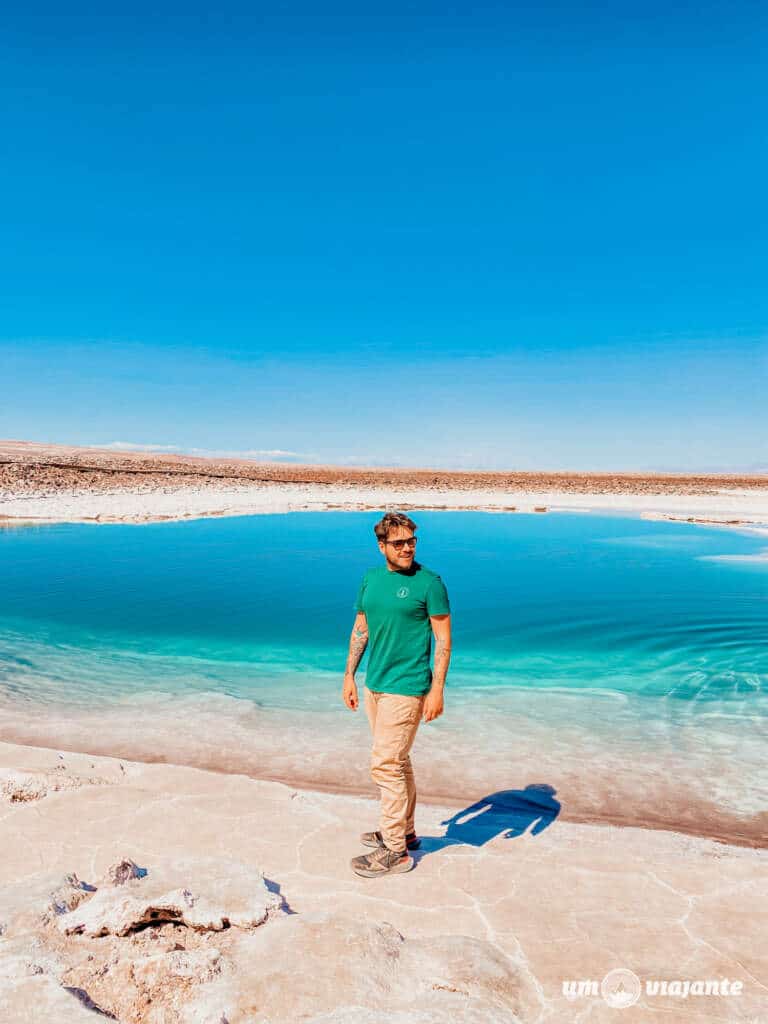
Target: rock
<point>139,986</point>
<point>151,972</point>
<point>22,787</point>
<point>27,905</point>
<point>324,968</point>
<point>69,894</point>
<point>123,871</point>
<point>206,894</point>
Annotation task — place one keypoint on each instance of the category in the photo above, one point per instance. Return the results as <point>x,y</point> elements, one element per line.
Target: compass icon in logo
<point>403,592</point>
<point>620,988</point>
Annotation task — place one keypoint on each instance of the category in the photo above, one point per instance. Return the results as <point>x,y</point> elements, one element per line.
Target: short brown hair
<point>390,521</point>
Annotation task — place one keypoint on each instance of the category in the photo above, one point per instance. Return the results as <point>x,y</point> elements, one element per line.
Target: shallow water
<point>623,661</point>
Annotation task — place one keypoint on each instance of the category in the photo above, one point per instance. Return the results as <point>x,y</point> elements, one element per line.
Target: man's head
<point>395,534</point>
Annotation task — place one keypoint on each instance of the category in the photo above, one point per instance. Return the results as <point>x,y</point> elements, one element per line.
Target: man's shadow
<point>507,814</point>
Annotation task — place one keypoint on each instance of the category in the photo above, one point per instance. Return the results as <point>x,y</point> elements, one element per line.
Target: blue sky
<point>494,236</point>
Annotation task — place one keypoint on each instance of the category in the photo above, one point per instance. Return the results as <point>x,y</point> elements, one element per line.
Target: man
<point>399,606</point>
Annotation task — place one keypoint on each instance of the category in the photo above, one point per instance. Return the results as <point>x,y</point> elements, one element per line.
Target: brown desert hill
<point>31,466</point>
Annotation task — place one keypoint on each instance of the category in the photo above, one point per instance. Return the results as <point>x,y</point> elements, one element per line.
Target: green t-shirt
<point>397,606</point>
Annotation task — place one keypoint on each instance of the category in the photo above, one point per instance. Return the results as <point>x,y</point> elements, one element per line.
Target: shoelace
<point>385,855</point>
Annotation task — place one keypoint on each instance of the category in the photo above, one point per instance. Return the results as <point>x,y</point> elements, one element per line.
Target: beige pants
<point>394,720</point>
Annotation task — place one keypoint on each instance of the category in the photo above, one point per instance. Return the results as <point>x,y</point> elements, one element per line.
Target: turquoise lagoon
<point>623,661</point>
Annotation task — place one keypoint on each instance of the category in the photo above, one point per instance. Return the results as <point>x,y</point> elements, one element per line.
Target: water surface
<point>622,660</point>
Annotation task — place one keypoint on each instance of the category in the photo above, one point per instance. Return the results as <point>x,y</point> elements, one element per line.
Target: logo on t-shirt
<point>403,592</point>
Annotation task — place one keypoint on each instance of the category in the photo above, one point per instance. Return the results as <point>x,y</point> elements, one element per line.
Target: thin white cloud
<point>129,446</point>
<point>457,461</point>
<point>210,453</point>
<point>249,453</point>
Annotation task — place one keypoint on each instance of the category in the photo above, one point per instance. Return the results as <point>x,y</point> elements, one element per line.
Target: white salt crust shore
<point>475,935</point>
<point>740,508</point>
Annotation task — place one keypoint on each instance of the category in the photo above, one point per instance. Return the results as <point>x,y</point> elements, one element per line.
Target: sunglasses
<point>398,545</point>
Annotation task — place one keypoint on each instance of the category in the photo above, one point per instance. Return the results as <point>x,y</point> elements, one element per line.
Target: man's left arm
<point>434,701</point>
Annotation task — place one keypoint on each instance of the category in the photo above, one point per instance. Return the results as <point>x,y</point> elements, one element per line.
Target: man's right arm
<point>357,644</point>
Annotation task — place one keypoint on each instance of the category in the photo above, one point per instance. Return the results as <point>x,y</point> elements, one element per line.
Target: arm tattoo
<point>442,658</point>
<point>357,644</point>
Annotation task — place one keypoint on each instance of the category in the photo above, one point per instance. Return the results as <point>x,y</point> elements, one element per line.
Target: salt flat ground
<point>472,934</point>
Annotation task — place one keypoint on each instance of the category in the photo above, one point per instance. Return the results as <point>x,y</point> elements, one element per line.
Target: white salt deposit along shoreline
<point>581,745</point>
<point>159,893</point>
<point>740,508</point>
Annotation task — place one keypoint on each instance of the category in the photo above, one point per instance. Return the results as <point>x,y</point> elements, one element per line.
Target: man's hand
<point>433,704</point>
<point>349,693</point>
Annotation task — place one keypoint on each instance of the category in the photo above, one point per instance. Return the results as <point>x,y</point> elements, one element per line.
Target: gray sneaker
<point>382,861</point>
<point>374,839</point>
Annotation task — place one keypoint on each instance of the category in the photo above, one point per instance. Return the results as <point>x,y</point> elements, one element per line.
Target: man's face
<point>399,555</point>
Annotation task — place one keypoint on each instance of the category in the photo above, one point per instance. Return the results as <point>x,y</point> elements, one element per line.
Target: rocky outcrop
<point>206,894</point>
<point>28,905</point>
<point>182,942</point>
<point>135,947</point>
